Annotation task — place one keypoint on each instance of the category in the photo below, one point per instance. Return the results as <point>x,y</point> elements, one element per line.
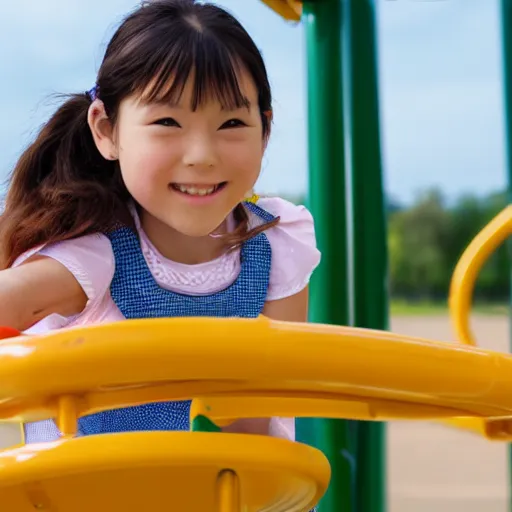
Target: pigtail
<point>61,186</point>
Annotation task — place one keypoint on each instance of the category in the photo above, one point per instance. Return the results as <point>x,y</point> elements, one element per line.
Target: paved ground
<point>435,469</point>
<point>432,468</point>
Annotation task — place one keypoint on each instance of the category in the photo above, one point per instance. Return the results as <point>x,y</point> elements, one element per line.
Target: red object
<point>8,332</point>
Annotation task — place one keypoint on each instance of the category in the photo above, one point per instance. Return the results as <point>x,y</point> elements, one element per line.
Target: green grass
<point>425,308</point>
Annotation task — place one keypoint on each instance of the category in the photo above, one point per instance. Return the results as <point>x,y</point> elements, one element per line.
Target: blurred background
<point>444,160</point>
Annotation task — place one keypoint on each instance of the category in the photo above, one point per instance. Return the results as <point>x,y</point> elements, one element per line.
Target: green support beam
<point>506,31</point>
<point>349,211</point>
<point>369,265</point>
<point>327,200</point>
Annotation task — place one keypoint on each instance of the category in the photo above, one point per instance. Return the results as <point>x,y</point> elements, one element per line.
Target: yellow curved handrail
<point>280,366</point>
<point>468,268</point>
<point>462,286</point>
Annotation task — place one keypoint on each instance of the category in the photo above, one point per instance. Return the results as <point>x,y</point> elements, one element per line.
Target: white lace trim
<point>203,279</point>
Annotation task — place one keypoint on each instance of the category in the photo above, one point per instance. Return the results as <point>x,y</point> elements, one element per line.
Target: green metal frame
<point>368,226</point>
<point>327,191</point>
<point>347,201</point>
<point>506,30</point>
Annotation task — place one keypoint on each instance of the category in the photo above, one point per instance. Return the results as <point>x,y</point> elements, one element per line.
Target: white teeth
<point>194,191</point>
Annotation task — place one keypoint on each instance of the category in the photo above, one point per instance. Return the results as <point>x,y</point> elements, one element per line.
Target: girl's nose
<point>200,153</point>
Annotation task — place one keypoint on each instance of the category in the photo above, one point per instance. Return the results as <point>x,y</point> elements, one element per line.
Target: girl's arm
<point>289,309</point>
<point>37,288</point>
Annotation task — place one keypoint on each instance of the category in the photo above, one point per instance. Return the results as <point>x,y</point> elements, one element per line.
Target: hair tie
<point>92,93</point>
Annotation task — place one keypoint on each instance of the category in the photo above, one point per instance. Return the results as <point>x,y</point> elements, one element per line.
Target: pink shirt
<point>90,259</point>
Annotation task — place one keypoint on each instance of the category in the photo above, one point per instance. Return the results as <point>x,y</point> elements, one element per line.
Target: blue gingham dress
<point>137,295</point>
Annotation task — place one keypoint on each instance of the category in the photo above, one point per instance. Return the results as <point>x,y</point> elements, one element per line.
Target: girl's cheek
<point>243,157</point>
<point>150,164</point>
<point>143,175</point>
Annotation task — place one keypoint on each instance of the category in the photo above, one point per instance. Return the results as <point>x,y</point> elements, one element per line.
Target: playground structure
<point>350,287</point>
<point>298,370</point>
<point>463,282</point>
<point>285,369</point>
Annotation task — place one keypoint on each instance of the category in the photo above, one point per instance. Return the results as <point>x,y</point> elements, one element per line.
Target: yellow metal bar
<point>369,373</point>
<point>223,410</point>
<point>460,300</point>
<point>468,267</point>
<point>67,415</point>
<point>228,492</point>
<point>493,430</point>
<point>290,10</point>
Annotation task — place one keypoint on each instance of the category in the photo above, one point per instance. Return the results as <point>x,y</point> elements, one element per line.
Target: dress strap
<point>259,211</point>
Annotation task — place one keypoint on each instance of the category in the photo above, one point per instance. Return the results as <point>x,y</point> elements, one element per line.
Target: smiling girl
<point>131,201</point>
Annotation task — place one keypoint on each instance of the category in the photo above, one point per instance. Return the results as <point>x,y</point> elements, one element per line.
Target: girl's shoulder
<point>294,251</point>
<point>89,258</point>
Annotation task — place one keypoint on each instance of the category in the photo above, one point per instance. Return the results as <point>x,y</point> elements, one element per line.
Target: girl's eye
<point>232,123</point>
<point>167,121</point>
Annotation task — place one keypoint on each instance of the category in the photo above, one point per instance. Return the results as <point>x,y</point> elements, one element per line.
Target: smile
<point>196,189</point>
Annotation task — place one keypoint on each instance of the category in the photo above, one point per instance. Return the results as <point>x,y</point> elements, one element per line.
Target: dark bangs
<point>166,42</point>
<point>214,70</point>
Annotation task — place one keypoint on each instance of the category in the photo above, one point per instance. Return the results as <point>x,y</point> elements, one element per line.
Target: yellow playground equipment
<point>282,369</point>
<point>468,267</point>
<point>461,292</point>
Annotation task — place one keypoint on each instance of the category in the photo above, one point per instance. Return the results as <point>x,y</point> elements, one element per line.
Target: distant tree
<point>416,239</point>
<point>426,240</point>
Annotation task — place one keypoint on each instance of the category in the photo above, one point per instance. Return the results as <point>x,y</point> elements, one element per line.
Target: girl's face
<point>190,169</point>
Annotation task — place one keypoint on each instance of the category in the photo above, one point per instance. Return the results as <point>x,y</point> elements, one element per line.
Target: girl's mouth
<point>197,189</point>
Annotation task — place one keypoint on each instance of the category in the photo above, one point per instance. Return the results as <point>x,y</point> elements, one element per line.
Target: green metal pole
<point>506,30</point>
<point>369,266</point>
<point>327,192</point>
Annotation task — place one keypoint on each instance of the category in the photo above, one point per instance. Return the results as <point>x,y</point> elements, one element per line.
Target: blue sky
<point>440,78</point>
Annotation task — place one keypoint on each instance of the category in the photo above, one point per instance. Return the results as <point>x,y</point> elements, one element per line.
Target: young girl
<point>131,202</point>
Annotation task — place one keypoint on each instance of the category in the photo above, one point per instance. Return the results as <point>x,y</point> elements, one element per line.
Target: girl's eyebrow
<point>246,105</point>
<point>178,105</point>
<point>159,103</point>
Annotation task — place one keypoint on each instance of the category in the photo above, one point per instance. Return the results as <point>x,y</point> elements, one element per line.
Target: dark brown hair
<point>62,187</point>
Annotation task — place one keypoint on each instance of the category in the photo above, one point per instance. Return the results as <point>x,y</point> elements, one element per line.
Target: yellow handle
<point>460,299</point>
<point>468,268</point>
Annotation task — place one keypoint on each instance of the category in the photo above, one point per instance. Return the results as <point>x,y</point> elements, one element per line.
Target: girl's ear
<point>102,130</point>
